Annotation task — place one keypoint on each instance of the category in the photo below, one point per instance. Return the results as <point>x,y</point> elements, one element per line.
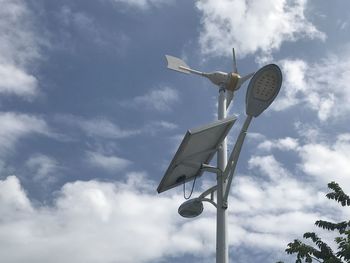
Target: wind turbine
<point>231,81</point>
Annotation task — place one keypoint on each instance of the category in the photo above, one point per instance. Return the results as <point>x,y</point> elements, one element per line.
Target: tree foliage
<point>321,251</point>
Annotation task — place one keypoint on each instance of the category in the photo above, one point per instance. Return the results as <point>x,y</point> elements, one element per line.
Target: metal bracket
<point>211,169</point>
<point>210,191</point>
<point>209,201</point>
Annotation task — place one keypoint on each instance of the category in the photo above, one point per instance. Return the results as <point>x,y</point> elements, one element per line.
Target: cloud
<point>273,196</point>
<point>99,127</point>
<point>15,81</point>
<point>294,83</point>
<point>97,221</point>
<point>94,222</point>
<point>45,169</point>
<point>157,126</point>
<point>107,162</point>
<point>252,26</point>
<point>157,99</point>
<point>321,86</point>
<point>78,19</point>
<point>104,128</point>
<point>328,162</point>
<point>19,49</point>
<point>13,198</point>
<point>320,158</point>
<point>15,126</point>
<point>287,143</point>
<point>89,30</point>
<point>269,166</point>
<point>342,24</point>
<point>141,4</point>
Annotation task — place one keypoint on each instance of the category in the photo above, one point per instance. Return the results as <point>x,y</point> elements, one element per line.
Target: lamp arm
<point>209,191</point>
<point>228,174</point>
<point>209,200</point>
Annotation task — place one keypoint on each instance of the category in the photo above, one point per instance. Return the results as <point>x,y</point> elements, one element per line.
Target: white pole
<point>221,216</point>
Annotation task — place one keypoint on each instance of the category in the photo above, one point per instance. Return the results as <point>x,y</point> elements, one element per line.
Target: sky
<point>91,118</point>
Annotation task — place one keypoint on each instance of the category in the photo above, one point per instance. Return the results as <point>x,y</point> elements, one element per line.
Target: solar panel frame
<point>190,164</point>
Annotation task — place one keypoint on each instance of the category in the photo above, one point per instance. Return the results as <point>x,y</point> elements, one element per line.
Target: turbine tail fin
<point>177,64</point>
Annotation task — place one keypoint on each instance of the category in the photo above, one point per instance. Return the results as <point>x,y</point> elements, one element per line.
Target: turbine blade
<point>229,97</point>
<point>177,64</point>
<point>244,79</point>
<point>235,70</point>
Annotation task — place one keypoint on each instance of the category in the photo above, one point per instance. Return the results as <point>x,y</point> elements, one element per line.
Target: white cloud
<point>272,197</point>
<point>100,127</point>
<point>44,168</point>
<point>142,4</point>
<point>269,166</point>
<point>294,83</point>
<point>287,143</point>
<point>253,25</point>
<point>157,99</point>
<point>79,19</point>
<point>15,126</point>
<point>107,162</point>
<point>15,81</point>
<point>309,131</point>
<point>13,198</point>
<point>19,49</point>
<point>111,222</point>
<point>321,86</point>
<point>328,162</point>
<point>96,222</point>
<point>255,136</point>
<point>321,158</point>
<point>342,24</point>
<point>104,128</point>
<point>158,126</point>
<point>90,30</point>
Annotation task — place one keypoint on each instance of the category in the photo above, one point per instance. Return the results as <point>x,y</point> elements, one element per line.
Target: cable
<point>184,187</point>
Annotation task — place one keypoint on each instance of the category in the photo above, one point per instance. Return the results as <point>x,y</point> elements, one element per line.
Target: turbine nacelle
<point>229,81</point>
<point>233,81</point>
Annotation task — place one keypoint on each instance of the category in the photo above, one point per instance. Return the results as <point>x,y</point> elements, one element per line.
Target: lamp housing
<point>263,89</point>
<point>191,208</point>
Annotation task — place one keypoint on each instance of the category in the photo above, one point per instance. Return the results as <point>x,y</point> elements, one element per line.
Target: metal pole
<point>221,215</point>
<point>228,174</point>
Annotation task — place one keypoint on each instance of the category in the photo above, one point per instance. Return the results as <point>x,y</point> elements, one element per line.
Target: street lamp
<point>191,208</point>
<point>262,90</point>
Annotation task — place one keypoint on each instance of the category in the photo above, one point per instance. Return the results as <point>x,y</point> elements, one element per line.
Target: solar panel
<point>197,147</point>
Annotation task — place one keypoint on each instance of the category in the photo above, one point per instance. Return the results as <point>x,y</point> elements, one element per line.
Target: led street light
<point>263,89</point>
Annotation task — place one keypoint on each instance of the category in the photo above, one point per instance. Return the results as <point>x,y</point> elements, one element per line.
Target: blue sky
<point>90,118</point>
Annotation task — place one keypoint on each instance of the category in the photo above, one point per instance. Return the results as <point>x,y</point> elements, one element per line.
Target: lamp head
<point>263,89</point>
<point>191,208</point>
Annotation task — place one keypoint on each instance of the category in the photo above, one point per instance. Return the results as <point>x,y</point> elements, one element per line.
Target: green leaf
<point>338,194</point>
<point>322,252</point>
